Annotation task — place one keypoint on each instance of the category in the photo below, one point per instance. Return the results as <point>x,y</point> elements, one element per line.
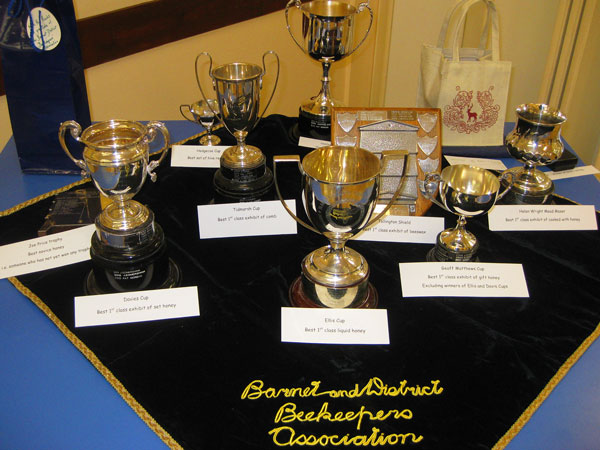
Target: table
<point>52,397</point>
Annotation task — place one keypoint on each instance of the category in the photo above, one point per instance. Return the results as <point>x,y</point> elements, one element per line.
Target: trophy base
<point>243,185</point>
<point>315,126</point>
<point>134,268</point>
<point>307,294</point>
<point>531,187</point>
<point>441,254</point>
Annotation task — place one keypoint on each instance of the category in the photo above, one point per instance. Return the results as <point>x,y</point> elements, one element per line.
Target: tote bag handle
<point>492,17</point>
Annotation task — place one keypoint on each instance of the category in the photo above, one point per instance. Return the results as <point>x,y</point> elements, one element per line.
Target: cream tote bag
<point>469,85</point>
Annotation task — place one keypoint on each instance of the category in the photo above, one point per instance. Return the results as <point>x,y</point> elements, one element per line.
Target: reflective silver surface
<point>535,141</point>
<point>466,191</point>
<point>202,113</point>
<point>327,36</point>
<point>340,191</point>
<point>116,156</point>
<point>237,86</point>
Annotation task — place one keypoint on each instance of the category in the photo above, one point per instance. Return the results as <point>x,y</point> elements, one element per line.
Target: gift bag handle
<point>444,30</point>
<point>491,5</point>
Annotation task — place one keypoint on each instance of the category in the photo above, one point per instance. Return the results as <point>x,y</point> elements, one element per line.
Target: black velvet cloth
<point>492,356</point>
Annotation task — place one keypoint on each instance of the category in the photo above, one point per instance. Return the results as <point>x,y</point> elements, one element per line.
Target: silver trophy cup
<point>243,174</point>
<point>327,36</point>
<point>535,141</point>
<point>128,249</point>
<point>340,190</point>
<point>466,191</point>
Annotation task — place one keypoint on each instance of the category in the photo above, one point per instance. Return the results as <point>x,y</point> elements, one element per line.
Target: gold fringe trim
<point>543,395</point>
<point>115,383</point>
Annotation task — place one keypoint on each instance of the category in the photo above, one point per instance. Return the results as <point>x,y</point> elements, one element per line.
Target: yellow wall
<point>151,85</point>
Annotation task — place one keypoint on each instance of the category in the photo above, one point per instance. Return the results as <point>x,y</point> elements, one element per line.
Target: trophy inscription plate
<point>417,130</point>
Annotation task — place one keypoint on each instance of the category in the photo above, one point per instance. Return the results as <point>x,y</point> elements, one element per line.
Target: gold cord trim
<point>543,395</point>
<point>42,197</point>
<point>115,383</point>
<point>107,374</point>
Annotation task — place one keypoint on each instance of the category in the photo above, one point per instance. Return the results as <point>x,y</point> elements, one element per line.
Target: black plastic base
<point>251,187</point>
<point>143,267</point>
<point>299,298</point>
<point>314,126</point>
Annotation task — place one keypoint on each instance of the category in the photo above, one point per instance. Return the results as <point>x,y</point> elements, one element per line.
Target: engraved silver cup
<point>327,36</point>
<point>466,191</point>
<point>340,191</point>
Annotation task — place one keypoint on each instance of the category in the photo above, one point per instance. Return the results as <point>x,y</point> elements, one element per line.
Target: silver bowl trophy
<point>243,174</point>
<point>128,249</point>
<point>327,36</point>
<point>535,141</point>
<point>340,190</point>
<point>466,191</point>
<point>202,113</point>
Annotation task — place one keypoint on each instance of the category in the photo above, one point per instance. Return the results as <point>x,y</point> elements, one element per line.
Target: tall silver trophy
<point>466,191</point>
<point>341,187</point>
<point>243,174</point>
<point>535,141</point>
<point>327,32</point>
<point>128,250</point>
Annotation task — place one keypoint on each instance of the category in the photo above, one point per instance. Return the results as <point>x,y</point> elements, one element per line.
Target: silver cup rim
<point>540,114</point>
<point>371,164</point>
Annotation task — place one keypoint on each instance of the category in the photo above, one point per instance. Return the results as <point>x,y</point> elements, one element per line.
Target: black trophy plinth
<point>315,126</point>
<point>131,260</point>
<point>242,185</point>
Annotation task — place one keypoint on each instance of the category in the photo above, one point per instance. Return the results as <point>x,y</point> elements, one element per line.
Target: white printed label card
<point>484,163</point>
<point>462,279</point>
<point>416,229</point>
<point>571,173</point>
<point>334,326</point>
<point>246,219</point>
<point>46,252</point>
<point>203,156</point>
<point>542,218</point>
<point>312,143</point>
<point>140,306</point>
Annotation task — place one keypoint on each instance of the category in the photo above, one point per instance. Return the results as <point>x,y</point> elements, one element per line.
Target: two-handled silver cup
<point>327,36</point>
<point>202,113</point>
<point>466,191</point>
<point>340,191</point>
<point>128,249</point>
<point>535,141</point>
<point>243,174</point>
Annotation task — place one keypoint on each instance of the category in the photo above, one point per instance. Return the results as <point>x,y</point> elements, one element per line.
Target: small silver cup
<point>466,191</point>
<point>202,113</point>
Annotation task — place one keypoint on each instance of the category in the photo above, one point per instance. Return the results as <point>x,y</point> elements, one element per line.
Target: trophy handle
<point>276,79</point>
<point>75,130</point>
<point>200,84</point>
<point>182,111</point>
<point>512,180</point>
<point>394,154</point>
<point>297,4</point>
<point>430,186</point>
<point>296,159</point>
<point>152,127</point>
<point>361,8</point>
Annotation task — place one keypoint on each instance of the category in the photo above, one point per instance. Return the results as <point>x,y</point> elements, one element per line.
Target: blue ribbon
<point>15,7</point>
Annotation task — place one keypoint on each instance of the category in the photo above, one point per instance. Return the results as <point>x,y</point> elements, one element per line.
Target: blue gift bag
<point>43,79</point>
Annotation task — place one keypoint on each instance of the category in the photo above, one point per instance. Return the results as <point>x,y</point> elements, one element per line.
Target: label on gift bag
<point>45,27</point>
